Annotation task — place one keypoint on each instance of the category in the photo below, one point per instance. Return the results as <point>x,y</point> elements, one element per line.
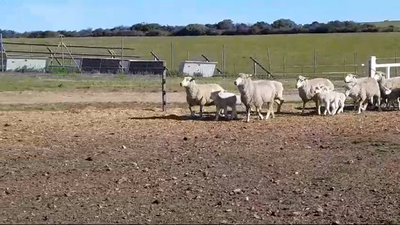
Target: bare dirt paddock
<point>131,163</point>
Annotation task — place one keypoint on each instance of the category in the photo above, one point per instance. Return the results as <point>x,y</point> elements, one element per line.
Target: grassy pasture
<point>395,23</point>
<point>289,54</point>
<point>118,83</point>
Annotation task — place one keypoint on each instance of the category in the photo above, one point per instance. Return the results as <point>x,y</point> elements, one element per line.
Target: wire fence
<point>261,62</point>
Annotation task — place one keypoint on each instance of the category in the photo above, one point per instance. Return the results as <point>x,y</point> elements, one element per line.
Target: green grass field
<point>395,23</point>
<point>120,83</point>
<point>289,54</point>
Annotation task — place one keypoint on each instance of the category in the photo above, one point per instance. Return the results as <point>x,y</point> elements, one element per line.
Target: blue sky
<point>29,15</point>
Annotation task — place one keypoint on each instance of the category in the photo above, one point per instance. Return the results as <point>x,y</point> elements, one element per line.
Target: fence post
<point>395,61</point>
<point>344,65</point>
<point>187,54</point>
<point>315,62</point>
<point>171,66</point>
<point>284,65</point>
<point>269,59</point>
<point>2,52</point>
<point>254,69</point>
<point>122,54</point>
<point>355,62</point>
<point>223,60</point>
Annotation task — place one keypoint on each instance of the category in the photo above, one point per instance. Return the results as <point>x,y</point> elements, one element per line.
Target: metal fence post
<point>315,62</point>
<point>2,52</point>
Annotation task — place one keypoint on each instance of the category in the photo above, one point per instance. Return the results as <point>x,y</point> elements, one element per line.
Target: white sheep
<point>279,92</point>
<point>391,83</point>
<point>223,100</point>
<point>349,81</point>
<point>256,93</point>
<point>393,95</point>
<point>331,99</point>
<point>306,88</point>
<point>362,91</point>
<point>198,94</point>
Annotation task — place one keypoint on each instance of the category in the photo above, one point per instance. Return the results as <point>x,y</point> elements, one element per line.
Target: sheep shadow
<point>207,116</point>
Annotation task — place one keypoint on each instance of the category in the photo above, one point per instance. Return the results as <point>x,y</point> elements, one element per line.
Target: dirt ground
<point>43,97</point>
<point>132,163</point>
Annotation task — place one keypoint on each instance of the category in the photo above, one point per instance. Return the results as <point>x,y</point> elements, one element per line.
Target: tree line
<point>224,27</point>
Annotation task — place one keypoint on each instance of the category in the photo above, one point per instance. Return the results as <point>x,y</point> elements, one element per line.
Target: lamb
<point>393,95</point>
<point>330,99</point>
<point>256,93</point>
<point>223,99</point>
<point>198,94</point>
<point>363,90</point>
<point>306,89</point>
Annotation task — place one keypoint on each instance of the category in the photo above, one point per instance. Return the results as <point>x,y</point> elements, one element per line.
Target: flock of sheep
<point>320,90</point>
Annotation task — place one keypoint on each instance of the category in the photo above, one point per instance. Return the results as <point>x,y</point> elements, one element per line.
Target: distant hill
<point>386,23</point>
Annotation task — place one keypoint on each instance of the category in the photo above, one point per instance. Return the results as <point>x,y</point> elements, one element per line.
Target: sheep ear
<point>192,79</point>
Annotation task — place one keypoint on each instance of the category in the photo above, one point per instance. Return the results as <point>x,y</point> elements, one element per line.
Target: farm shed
<point>91,65</point>
<point>146,67</point>
<point>205,69</point>
<point>37,64</point>
<point>109,65</point>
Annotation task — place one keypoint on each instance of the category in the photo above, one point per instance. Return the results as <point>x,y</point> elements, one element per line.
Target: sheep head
<point>350,78</point>
<point>186,81</point>
<point>320,89</point>
<point>379,75</point>
<point>243,77</point>
<point>387,90</point>
<point>301,80</point>
<point>214,94</point>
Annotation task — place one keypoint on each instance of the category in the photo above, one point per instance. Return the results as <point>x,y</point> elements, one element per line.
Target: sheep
<point>306,88</point>
<point>332,99</point>
<point>279,93</point>
<point>256,93</point>
<point>393,95</point>
<point>349,80</point>
<point>223,99</point>
<point>198,94</point>
<point>391,83</point>
<point>362,90</point>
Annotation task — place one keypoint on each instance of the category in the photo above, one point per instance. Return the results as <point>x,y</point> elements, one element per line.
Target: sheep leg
<point>327,106</point>
<point>248,110</point>
<point>226,112</point>
<point>378,99</point>
<point>304,106</point>
<point>201,111</point>
<point>337,104</point>
<point>279,102</point>
<point>398,104</point>
<point>360,105</point>
<point>221,112</point>
<point>258,109</point>
<point>318,105</point>
<point>191,111</point>
<point>333,108</point>
<point>234,113</point>
<point>270,110</point>
<point>341,107</point>
<point>355,104</point>
<point>217,110</point>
